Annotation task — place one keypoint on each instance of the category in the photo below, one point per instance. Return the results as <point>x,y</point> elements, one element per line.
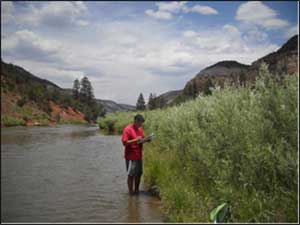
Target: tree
<point>89,107</point>
<point>76,89</point>
<point>140,105</point>
<point>208,84</point>
<point>242,78</point>
<point>151,102</point>
<point>194,89</point>
<point>161,102</point>
<point>86,91</point>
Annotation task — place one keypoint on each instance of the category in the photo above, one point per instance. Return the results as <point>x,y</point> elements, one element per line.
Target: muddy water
<point>68,174</point>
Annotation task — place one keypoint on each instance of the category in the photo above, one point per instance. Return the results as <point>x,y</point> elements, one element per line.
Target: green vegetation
<point>237,145</point>
<point>38,92</point>
<point>140,104</point>
<point>85,101</point>
<point>24,112</point>
<point>12,121</point>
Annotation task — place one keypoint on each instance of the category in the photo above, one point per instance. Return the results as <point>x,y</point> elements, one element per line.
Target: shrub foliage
<point>237,145</point>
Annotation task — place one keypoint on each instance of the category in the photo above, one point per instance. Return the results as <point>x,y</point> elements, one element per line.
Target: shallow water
<point>68,174</point>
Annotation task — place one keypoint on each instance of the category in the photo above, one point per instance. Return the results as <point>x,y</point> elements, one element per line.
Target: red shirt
<point>132,151</point>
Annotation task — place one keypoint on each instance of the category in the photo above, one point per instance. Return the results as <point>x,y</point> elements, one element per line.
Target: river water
<point>68,174</point>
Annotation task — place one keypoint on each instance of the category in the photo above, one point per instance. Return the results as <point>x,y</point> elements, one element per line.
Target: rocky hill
<point>283,61</point>
<point>216,74</point>
<point>108,105</point>
<point>111,106</point>
<point>29,100</point>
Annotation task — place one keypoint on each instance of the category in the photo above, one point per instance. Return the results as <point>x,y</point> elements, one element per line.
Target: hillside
<point>29,100</point>
<point>223,68</point>
<point>283,61</point>
<point>111,106</point>
<point>166,99</point>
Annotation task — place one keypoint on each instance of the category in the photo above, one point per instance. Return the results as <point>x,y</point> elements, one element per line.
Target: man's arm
<point>133,141</point>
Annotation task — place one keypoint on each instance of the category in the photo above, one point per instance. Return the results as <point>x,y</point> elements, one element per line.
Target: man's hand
<point>136,140</point>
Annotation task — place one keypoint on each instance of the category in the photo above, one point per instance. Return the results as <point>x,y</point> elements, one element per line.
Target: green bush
<point>238,145</point>
<point>11,121</point>
<point>22,101</point>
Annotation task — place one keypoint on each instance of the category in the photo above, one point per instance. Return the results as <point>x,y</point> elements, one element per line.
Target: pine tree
<point>86,91</point>
<point>140,105</point>
<point>208,85</point>
<point>151,103</point>
<point>242,78</point>
<point>90,108</point>
<point>194,89</point>
<point>76,88</point>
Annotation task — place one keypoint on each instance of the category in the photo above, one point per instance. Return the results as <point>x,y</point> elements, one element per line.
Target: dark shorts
<point>134,167</point>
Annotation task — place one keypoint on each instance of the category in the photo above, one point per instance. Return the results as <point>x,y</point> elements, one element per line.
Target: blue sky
<point>125,48</point>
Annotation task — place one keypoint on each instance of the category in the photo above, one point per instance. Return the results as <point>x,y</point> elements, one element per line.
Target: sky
<point>128,48</point>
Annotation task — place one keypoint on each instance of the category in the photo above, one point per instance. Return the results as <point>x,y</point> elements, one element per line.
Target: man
<point>132,134</point>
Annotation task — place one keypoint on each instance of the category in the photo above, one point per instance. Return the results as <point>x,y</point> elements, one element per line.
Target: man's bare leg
<point>130,184</point>
<point>137,181</point>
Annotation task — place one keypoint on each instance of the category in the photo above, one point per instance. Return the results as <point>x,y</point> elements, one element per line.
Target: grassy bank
<point>237,146</point>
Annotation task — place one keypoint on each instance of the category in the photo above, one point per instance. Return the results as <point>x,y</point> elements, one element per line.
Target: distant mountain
<point>215,74</point>
<point>166,99</point>
<point>223,68</point>
<point>29,100</point>
<point>284,60</point>
<point>169,96</point>
<point>111,106</point>
<point>21,75</point>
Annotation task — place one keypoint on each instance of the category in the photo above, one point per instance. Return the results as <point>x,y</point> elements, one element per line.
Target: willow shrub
<point>238,145</point>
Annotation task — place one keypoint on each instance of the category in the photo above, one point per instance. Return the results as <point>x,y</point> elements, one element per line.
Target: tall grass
<point>238,145</point>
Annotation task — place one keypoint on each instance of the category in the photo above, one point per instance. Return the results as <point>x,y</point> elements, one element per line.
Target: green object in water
<point>220,213</point>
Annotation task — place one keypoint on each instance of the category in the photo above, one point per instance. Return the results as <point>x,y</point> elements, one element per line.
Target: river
<point>68,173</point>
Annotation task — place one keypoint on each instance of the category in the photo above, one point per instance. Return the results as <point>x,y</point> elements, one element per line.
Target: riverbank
<point>9,121</point>
<point>15,112</point>
<point>238,145</point>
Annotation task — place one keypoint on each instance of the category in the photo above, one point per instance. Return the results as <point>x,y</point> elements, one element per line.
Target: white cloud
<point>231,31</point>
<point>82,23</point>
<point>189,33</point>
<point>55,14</point>
<point>291,31</point>
<point>257,13</point>
<point>174,7</point>
<point>25,43</point>
<point>205,10</point>
<point>7,10</point>
<point>255,35</point>
<point>165,10</point>
<point>159,14</point>
<point>228,43</point>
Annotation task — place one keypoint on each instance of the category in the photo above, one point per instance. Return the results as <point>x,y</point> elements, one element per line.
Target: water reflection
<point>133,209</point>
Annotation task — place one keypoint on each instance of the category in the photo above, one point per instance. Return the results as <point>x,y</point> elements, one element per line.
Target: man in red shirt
<point>132,134</point>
